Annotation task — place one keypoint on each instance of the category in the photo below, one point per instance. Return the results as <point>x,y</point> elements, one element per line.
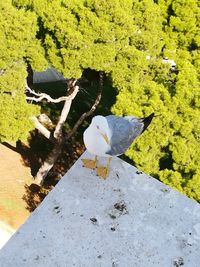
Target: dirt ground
<point>19,195</point>
<point>14,175</point>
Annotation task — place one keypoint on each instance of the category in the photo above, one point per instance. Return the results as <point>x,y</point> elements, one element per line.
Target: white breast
<point>95,143</point>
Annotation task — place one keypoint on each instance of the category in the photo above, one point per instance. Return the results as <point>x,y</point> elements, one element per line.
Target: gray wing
<point>124,130</point>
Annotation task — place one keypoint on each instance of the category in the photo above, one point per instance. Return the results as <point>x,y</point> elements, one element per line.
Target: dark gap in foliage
<point>193,45</point>
<point>127,159</point>
<point>39,147</point>
<point>155,175</point>
<point>76,15</point>
<point>166,162</point>
<point>193,103</point>
<point>89,84</point>
<point>41,35</point>
<point>42,30</point>
<point>170,12</point>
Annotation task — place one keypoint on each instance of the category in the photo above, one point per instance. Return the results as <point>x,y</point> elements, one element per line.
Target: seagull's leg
<point>103,171</point>
<point>90,163</point>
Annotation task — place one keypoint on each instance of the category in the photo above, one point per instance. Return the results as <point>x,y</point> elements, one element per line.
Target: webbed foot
<point>89,163</point>
<point>102,172</point>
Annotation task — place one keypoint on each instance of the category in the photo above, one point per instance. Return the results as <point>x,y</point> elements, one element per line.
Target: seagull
<point>111,136</point>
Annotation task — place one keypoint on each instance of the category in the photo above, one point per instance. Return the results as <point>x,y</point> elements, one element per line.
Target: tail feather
<point>147,120</point>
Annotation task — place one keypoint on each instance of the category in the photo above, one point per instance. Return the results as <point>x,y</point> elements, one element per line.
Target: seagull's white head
<point>97,136</point>
<point>100,124</point>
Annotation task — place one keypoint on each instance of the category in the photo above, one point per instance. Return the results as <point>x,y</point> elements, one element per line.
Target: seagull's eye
<point>98,127</point>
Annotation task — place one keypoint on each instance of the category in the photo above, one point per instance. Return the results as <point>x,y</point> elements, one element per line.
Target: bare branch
<point>58,135</point>
<point>92,109</point>
<point>65,111</point>
<point>28,89</point>
<point>43,130</point>
<point>48,163</point>
<point>48,98</point>
<point>58,130</point>
<point>40,96</point>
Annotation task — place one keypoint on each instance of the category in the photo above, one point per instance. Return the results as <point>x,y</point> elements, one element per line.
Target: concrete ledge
<point>128,220</point>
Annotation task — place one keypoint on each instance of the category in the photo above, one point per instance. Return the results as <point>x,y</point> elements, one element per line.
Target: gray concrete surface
<point>128,220</point>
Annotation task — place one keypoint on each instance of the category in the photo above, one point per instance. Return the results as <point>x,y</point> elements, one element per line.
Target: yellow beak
<point>105,137</point>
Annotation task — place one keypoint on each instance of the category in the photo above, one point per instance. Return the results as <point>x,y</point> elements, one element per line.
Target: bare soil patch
<point>19,195</point>
<point>14,175</point>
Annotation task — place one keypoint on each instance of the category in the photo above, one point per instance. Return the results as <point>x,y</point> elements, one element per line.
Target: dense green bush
<point>128,41</point>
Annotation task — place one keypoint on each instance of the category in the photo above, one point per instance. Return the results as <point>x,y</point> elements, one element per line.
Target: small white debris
<point>172,63</point>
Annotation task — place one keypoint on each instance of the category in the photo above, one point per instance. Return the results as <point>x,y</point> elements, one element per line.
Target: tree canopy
<point>128,41</point>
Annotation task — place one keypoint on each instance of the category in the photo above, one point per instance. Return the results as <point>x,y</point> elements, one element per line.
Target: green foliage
<point>127,40</point>
<point>170,149</point>
<point>16,38</point>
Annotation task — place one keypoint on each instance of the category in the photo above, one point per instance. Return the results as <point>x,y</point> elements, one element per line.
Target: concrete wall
<point>128,220</point>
